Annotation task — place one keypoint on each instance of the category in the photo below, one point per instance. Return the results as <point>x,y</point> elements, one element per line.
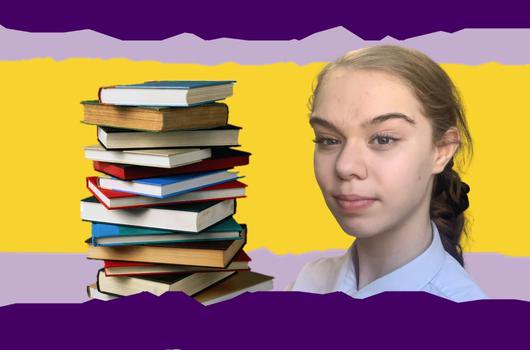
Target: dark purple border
<point>260,20</point>
<point>268,320</point>
<point>264,320</point>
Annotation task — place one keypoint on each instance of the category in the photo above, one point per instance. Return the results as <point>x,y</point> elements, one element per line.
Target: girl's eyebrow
<point>315,120</point>
<point>384,117</point>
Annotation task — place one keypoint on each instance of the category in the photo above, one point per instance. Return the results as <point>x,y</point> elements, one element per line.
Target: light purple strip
<point>45,278</point>
<point>62,278</point>
<point>469,46</point>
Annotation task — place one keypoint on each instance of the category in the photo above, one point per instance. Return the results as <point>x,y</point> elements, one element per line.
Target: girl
<point>388,122</point>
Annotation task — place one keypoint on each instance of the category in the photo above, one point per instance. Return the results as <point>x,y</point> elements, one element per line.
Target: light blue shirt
<point>434,271</point>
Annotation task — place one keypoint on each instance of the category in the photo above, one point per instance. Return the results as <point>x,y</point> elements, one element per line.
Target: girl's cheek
<point>324,169</point>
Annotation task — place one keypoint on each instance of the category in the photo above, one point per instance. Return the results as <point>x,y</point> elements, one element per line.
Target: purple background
<point>261,20</point>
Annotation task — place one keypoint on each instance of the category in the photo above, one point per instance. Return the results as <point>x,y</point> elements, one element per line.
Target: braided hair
<point>448,202</point>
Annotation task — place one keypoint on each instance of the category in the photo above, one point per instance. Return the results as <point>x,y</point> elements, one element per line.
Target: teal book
<point>115,235</point>
<point>172,93</point>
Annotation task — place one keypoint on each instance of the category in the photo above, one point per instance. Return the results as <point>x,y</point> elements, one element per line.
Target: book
<point>239,283</point>
<point>115,235</point>
<point>166,93</point>
<point>189,284</point>
<point>168,186</point>
<point>122,200</point>
<point>211,254</point>
<point>113,138</point>
<point>132,268</point>
<point>155,118</point>
<point>161,158</point>
<point>190,217</point>
<point>222,158</point>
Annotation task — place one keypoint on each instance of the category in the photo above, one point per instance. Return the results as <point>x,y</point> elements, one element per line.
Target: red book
<point>131,268</point>
<point>222,158</point>
<point>120,200</point>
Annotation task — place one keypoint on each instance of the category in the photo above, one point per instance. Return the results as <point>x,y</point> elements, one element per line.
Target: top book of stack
<point>169,93</point>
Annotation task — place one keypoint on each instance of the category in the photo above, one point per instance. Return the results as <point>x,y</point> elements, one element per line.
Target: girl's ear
<point>445,149</point>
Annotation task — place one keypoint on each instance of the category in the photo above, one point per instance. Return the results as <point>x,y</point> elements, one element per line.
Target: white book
<point>189,217</point>
<point>113,138</point>
<point>159,158</point>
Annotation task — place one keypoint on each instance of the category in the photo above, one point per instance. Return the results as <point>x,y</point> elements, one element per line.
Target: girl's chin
<point>358,228</point>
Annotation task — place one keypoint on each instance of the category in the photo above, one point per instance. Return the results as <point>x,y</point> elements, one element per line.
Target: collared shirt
<point>434,271</point>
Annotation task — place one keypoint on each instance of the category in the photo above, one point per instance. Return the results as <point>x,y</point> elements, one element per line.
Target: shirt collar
<point>413,276</point>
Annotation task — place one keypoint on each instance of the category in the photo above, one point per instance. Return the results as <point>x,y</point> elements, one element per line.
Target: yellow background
<point>44,170</point>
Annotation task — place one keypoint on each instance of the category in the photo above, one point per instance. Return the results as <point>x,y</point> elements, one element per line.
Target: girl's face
<point>374,158</point>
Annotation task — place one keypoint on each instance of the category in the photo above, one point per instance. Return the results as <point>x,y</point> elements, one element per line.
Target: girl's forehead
<point>358,95</point>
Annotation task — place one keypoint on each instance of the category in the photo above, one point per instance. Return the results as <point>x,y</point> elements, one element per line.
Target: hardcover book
<point>189,283</point>
<point>115,235</point>
<point>166,93</point>
<point>211,254</point>
<point>130,268</point>
<point>189,217</point>
<point>160,158</point>
<point>113,138</point>
<point>156,119</point>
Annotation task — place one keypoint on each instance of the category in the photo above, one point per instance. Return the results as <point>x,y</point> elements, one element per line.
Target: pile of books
<point>162,211</point>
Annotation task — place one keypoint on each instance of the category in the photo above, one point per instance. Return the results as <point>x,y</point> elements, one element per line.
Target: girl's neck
<point>387,251</point>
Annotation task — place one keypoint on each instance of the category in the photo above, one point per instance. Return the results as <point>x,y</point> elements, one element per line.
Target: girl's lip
<point>351,197</point>
<point>354,205</point>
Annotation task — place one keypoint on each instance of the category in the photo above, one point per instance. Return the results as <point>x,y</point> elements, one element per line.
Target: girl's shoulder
<point>322,275</point>
<point>454,282</point>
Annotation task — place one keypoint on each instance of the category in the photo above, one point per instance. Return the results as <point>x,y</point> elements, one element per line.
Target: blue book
<point>168,186</point>
<point>114,235</point>
<point>172,93</point>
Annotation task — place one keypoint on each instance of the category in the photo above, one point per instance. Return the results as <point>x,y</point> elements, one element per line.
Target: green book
<point>115,235</point>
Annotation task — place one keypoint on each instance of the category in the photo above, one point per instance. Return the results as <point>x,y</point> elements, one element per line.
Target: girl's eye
<point>383,139</point>
<point>326,141</point>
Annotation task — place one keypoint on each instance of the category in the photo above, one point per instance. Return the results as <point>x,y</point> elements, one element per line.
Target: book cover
<point>175,84</point>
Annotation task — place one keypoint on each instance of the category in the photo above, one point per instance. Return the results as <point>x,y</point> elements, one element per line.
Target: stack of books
<point>162,211</point>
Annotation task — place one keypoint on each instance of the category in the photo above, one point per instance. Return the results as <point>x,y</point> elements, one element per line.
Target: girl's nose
<point>351,162</point>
